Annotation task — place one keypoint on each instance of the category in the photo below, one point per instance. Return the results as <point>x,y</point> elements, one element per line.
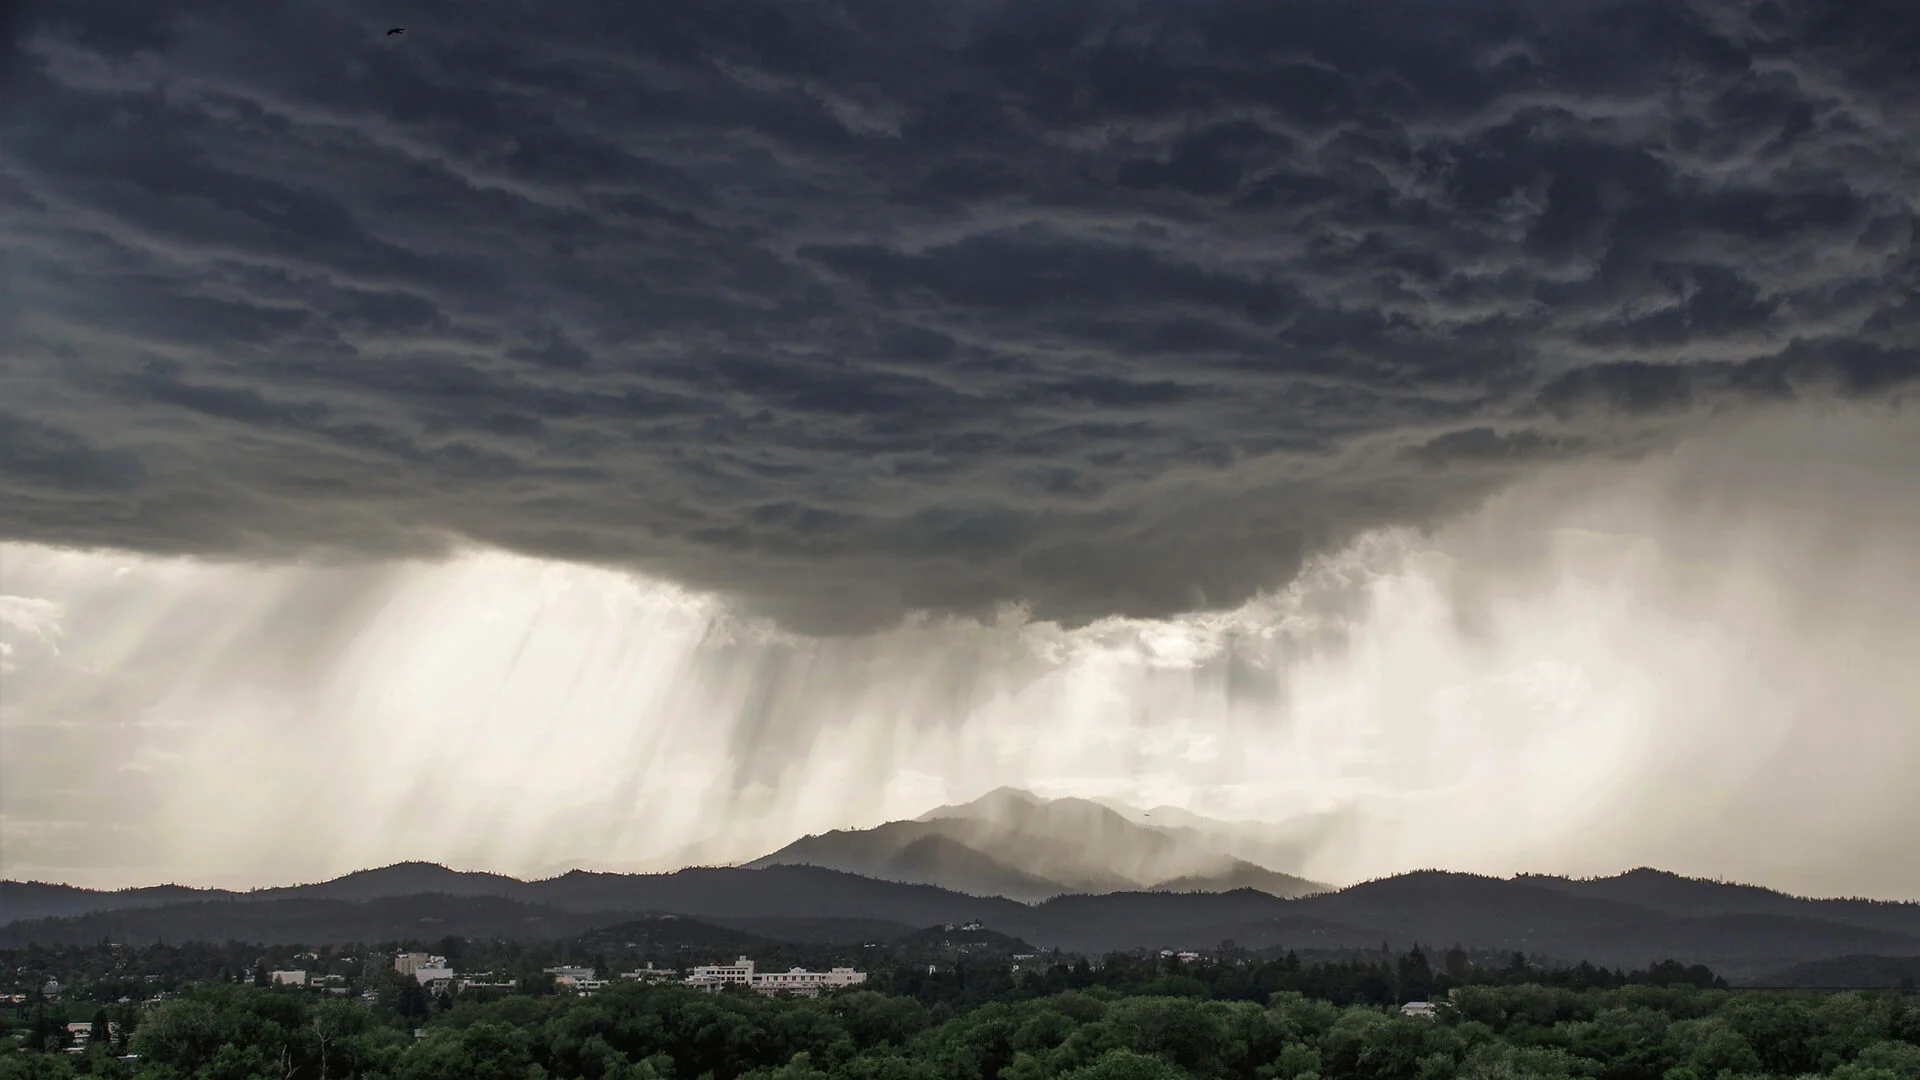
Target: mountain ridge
<point>1435,909</point>
<point>1432,908</point>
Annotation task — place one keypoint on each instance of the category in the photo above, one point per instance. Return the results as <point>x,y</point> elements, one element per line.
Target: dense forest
<point>1229,1015</point>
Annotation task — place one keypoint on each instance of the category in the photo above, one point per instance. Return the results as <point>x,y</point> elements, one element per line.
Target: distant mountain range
<point>1630,920</point>
<point>1074,874</point>
<point>1014,844</point>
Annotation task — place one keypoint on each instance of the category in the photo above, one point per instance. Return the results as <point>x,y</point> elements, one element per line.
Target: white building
<point>806,983</point>
<point>740,972</point>
<point>793,981</point>
<point>1423,1010</point>
<point>651,974</point>
<point>485,982</point>
<point>288,978</point>
<point>435,977</point>
<point>408,962</point>
<point>584,979</point>
<point>426,968</point>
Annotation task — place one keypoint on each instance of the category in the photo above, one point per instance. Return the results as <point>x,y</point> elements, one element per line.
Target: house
<point>1421,1010</point>
<point>288,978</point>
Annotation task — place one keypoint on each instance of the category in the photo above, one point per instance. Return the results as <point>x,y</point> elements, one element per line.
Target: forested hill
<point>1741,931</point>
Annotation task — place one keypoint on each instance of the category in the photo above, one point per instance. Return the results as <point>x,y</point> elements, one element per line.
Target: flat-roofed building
<point>798,981</point>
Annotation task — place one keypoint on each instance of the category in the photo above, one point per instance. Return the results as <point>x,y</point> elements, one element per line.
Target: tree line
<point>1123,1018</point>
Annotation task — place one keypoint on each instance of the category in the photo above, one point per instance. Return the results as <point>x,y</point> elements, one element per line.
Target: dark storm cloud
<point>850,308</point>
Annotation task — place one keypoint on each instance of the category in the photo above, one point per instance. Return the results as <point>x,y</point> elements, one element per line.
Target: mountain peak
<point>1020,845</point>
<point>999,801</point>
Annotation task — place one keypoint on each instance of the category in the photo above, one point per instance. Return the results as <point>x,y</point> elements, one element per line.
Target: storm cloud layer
<point>851,309</point>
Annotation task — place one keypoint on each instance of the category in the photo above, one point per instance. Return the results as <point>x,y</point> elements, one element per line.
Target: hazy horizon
<point>1476,436</point>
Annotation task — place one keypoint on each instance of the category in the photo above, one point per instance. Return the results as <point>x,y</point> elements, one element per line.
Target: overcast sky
<point>586,431</point>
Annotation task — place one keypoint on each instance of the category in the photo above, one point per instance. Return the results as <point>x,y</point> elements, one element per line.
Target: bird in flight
<point>396,30</point>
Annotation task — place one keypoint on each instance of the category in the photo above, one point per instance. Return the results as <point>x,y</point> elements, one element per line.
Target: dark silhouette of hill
<point>44,900</point>
<point>1015,844</point>
<point>1094,924</point>
<point>965,940</point>
<point>41,900</point>
<point>774,892</point>
<point>1435,906</point>
<point>820,931</point>
<point>1237,874</point>
<point>717,892</point>
<point>401,879</point>
<point>310,922</point>
<point>673,933</point>
<point>916,853</point>
<point>1672,894</point>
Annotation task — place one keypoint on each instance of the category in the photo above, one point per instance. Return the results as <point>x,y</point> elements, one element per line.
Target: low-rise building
<point>431,971</point>
<point>410,963</point>
<point>715,976</point>
<point>806,983</point>
<point>288,978</point>
<point>485,981</point>
<point>583,979</point>
<point>793,981</point>
<point>651,974</point>
<point>80,1036</point>
<point>1422,1010</point>
<point>437,979</point>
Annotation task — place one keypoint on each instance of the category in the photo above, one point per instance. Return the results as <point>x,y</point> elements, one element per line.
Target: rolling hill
<point>1666,892</point>
<point>1746,934</point>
